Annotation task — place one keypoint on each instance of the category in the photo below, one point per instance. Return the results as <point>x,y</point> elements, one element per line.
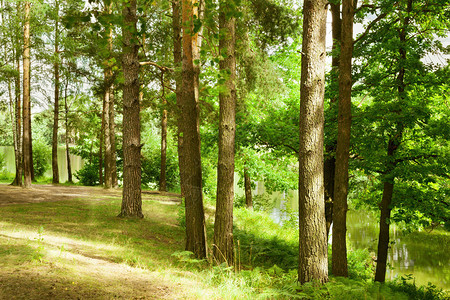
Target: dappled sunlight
<point>51,238</point>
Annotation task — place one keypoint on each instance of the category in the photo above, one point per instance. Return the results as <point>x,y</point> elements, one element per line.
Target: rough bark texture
<point>101,138</point>
<point>27,159</point>
<point>248,190</point>
<point>177,60</point>
<point>339,245</point>
<point>131,200</point>
<point>189,131</point>
<point>55,171</point>
<point>313,264</point>
<point>223,225</point>
<point>394,142</point>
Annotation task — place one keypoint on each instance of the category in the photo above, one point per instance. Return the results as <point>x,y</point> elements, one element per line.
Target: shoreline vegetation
<point>72,245</point>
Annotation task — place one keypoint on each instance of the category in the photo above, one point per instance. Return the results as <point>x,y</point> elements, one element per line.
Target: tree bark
<point>339,245</point>
<point>27,159</point>
<point>55,170</point>
<point>248,190</point>
<point>223,226</point>
<point>190,132</point>
<point>313,264</point>
<point>131,199</point>
<point>101,144</point>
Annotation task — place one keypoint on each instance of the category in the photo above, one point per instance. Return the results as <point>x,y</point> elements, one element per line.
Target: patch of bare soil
<point>51,193</point>
<point>70,273</point>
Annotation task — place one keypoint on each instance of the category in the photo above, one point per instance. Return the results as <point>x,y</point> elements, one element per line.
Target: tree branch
<point>151,63</point>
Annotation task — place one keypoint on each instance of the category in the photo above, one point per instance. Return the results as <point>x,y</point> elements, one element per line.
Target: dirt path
<point>51,193</point>
<point>70,273</point>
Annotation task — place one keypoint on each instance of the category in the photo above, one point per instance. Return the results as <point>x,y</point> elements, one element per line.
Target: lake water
<point>75,160</point>
<point>422,254</point>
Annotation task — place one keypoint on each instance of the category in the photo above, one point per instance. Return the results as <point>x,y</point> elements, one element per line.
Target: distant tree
<point>313,256</point>
<point>55,171</point>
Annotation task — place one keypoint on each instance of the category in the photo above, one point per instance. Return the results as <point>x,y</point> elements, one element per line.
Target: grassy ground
<point>67,243</point>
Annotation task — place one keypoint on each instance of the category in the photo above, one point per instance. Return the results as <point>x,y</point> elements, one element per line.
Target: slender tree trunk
<point>394,142</point>
<point>101,144</point>
<point>248,190</point>
<point>131,199</point>
<point>313,256</point>
<point>55,170</point>
<point>112,132</point>
<point>107,139</point>
<point>106,112</point>
<point>383,238</point>
<point>18,150</point>
<point>189,130</point>
<point>329,159</point>
<point>162,176</point>
<point>27,159</point>
<point>66,116</point>
<point>339,246</point>
<point>177,60</point>
<point>223,225</point>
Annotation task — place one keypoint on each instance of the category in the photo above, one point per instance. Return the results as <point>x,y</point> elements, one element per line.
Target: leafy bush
<point>88,175</point>
<point>429,292</point>
<point>151,167</point>
<point>42,155</point>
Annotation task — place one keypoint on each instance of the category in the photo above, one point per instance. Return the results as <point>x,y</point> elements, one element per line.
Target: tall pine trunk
<point>27,158</point>
<point>131,199</point>
<point>339,245</point>
<point>177,60</point>
<point>66,119</point>
<point>106,112</point>
<point>223,225</point>
<point>190,133</point>
<point>313,256</point>
<point>18,149</point>
<point>55,170</point>
<point>329,164</point>
<point>162,174</point>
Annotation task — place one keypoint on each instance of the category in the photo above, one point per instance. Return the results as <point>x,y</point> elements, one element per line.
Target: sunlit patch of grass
<point>94,227</point>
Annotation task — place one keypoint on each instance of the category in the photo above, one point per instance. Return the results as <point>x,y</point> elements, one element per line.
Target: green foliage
<point>429,292</point>
<point>88,175</point>
<point>41,157</point>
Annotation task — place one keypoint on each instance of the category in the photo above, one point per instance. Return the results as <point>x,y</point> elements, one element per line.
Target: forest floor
<point>64,242</point>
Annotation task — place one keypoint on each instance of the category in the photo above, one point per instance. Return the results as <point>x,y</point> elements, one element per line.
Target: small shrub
<point>41,158</point>
<point>88,175</point>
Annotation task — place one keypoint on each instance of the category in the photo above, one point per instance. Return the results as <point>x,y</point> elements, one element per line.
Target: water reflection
<point>424,255</point>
